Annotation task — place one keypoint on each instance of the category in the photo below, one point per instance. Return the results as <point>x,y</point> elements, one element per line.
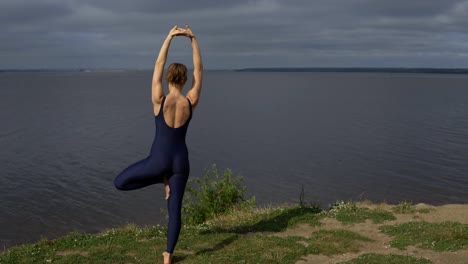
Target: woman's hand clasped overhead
<point>177,31</point>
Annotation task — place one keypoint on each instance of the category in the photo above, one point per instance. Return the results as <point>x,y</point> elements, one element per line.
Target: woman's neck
<point>175,89</point>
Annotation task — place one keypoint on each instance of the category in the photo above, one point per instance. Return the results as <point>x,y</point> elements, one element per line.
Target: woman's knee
<point>119,185</point>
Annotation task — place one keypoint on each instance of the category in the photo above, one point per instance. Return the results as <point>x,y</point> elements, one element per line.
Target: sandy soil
<point>381,243</point>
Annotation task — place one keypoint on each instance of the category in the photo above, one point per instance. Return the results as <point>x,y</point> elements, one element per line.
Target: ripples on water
<point>384,137</point>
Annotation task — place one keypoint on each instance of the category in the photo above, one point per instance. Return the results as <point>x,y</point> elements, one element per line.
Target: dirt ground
<point>381,243</point>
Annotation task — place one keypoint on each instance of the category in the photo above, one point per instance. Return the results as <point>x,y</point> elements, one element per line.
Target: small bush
<point>216,194</point>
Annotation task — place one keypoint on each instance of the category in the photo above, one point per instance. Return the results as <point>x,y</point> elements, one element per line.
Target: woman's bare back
<point>176,110</point>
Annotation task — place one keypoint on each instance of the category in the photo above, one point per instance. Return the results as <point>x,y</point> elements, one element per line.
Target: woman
<point>168,161</point>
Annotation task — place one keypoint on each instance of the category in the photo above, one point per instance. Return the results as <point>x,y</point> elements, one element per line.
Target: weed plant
<point>214,194</point>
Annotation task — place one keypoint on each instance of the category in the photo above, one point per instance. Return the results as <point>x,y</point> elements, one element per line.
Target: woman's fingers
<point>176,31</point>
<point>189,31</point>
<point>181,31</point>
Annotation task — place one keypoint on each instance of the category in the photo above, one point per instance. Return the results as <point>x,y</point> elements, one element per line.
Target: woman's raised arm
<point>194,93</point>
<point>157,87</point>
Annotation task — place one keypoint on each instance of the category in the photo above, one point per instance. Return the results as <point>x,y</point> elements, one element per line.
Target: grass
<point>273,219</point>
<point>372,258</point>
<point>113,246</point>
<point>251,249</point>
<point>347,212</point>
<point>246,235</point>
<point>407,207</point>
<point>442,236</point>
<point>331,242</point>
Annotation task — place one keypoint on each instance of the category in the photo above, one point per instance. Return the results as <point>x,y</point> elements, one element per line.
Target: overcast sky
<point>235,34</point>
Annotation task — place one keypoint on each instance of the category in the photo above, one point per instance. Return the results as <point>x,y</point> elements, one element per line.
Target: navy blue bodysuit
<point>168,157</point>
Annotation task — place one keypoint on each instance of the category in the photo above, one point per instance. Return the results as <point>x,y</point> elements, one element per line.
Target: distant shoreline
<point>279,69</point>
<point>62,70</point>
<point>360,69</point>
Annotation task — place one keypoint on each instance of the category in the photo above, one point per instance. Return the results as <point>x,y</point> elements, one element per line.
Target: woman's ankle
<point>167,257</point>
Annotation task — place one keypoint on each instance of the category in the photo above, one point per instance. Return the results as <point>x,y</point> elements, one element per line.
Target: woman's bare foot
<point>166,187</point>
<point>167,257</point>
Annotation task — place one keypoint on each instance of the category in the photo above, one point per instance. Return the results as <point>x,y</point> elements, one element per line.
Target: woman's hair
<point>176,74</point>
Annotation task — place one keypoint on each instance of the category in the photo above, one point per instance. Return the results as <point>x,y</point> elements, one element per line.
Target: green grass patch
<point>256,248</point>
<point>442,236</point>
<point>126,244</point>
<point>264,219</point>
<point>218,242</point>
<point>407,207</point>
<point>331,242</point>
<point>251,249</point>
<point>133,244</point>
<point>372,258</point>
<point>347,212</point>
<point>221,226</point>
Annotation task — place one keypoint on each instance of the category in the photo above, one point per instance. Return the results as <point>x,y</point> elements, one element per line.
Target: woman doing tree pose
<point>168,161</point>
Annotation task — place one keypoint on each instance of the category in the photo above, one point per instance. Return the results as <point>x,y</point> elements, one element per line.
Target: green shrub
<point>216,194</point>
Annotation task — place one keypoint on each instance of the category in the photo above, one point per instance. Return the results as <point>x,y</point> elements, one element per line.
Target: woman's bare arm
<point>194,93</point>
<point>157,87</point>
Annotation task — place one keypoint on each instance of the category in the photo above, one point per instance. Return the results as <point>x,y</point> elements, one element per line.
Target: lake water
<point>379,136</point>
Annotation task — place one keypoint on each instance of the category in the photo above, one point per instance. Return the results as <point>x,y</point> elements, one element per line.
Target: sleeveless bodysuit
<point>168,157</point>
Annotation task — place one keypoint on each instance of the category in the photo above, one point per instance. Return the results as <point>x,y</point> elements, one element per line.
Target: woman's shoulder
<point>158,101</point>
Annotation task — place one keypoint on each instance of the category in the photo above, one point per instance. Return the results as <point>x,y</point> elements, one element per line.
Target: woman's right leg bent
<point>138,175</point>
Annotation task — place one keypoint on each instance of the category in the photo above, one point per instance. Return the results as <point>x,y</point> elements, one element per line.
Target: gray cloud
<point>250,33</point>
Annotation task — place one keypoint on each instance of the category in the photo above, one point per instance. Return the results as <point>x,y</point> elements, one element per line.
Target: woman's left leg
<point>177,183</point>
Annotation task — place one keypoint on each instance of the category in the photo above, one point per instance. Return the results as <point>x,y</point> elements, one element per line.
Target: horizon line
<point>232,69</point>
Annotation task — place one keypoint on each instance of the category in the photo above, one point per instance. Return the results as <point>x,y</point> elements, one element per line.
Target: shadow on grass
<point>219,246</point>
<point>179,257</point>
<point>273,223</point>
<point>276,223</point>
